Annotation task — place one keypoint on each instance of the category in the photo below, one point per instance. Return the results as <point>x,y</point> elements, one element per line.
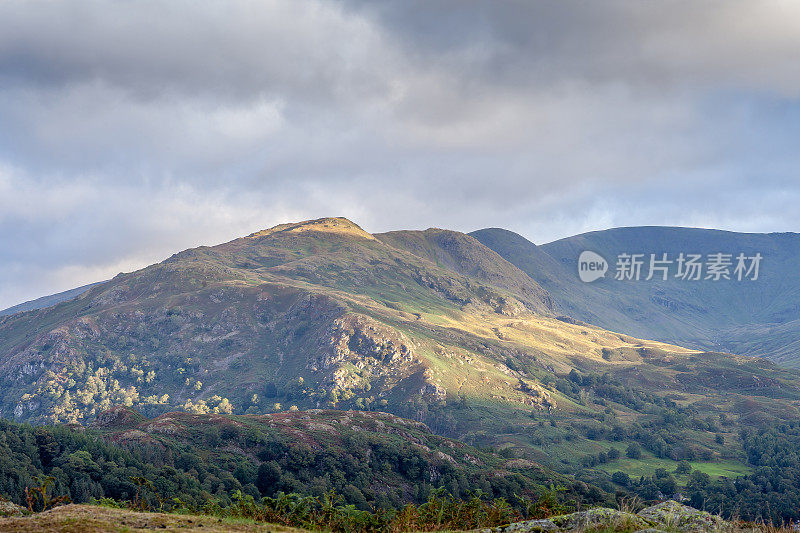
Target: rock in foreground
<point>673,515</point>
<point>669,515</point>
<point>8,508</point>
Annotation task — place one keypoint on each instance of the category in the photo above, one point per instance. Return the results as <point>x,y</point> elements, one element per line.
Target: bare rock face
<point>433,391</point>
<point>361,351</point>
<point>119,417</point>
<point>361,339</point>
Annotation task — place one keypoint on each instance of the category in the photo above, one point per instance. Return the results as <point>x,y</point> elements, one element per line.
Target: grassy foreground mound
<point>668,516</point>
<point>94,518</point>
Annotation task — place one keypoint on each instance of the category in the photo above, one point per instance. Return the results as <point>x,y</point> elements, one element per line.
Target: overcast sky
<point>131,130</point>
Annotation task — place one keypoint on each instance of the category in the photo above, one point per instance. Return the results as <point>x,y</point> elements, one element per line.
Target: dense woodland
<point>375,473</point>
<point>87,466</point>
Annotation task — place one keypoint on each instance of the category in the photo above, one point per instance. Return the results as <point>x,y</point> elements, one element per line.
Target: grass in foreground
<point>75,518</point>
<point>95,518</point>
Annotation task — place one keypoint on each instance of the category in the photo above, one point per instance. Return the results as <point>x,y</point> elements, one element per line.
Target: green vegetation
<point>327,513</point>
<point>369,468</point>
<point>372,461</point>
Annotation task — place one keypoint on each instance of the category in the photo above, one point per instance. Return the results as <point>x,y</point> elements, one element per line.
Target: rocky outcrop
<point>538,396</point>
<point>530,526</point>
<point>8,508</point>
<point>118,417</point>
<point>433,391</point>
<point>673,515</point>
<point>669,516</point>
<point>364,341</point>
<point>358,352</point>
<point>598,517</point>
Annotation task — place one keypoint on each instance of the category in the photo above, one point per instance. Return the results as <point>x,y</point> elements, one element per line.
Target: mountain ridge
<point>47,300</point>
<point>706,315</point>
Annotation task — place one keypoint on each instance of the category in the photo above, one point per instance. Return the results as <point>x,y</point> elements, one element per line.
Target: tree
<point>698,481</point>
<point>621,478</point>
<point>268,475</point>
<point>667,485</point>
<point>634,451</point>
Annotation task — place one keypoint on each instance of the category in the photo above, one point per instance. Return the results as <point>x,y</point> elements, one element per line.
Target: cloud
<point>129,131</point>
<point>653,46</point>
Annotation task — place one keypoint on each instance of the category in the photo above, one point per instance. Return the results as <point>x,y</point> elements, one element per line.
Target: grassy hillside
<point>463,254</point>
<point>757,318</point>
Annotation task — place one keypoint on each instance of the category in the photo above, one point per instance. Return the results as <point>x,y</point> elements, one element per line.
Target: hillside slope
<point>47,301</point>
<point>758,318</point>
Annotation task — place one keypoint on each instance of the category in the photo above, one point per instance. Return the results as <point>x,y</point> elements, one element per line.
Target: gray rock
<point>598,517</point>
<point>8,508</point>
<point>673,515</point>
<point>669,516</point>
<point>529,526</point>
<point>532,526</point>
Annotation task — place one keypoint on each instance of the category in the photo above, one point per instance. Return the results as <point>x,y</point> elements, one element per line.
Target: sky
<point>132,130</point>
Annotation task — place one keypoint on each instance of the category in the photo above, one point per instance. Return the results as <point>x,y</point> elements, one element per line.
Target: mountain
<point>320,300</point>
<point>433,326</point>
<point>47,301</point>
<point>759,318</point>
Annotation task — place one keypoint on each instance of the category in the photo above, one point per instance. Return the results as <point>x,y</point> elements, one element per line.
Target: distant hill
<point>47,301</point>
<point>759,318</point>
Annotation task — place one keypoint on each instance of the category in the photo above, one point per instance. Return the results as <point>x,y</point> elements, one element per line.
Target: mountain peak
<point>338,225</point>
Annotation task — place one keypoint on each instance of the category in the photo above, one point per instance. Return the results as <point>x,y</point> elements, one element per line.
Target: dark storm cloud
<point>129,130</point>
<point>653,44</point>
